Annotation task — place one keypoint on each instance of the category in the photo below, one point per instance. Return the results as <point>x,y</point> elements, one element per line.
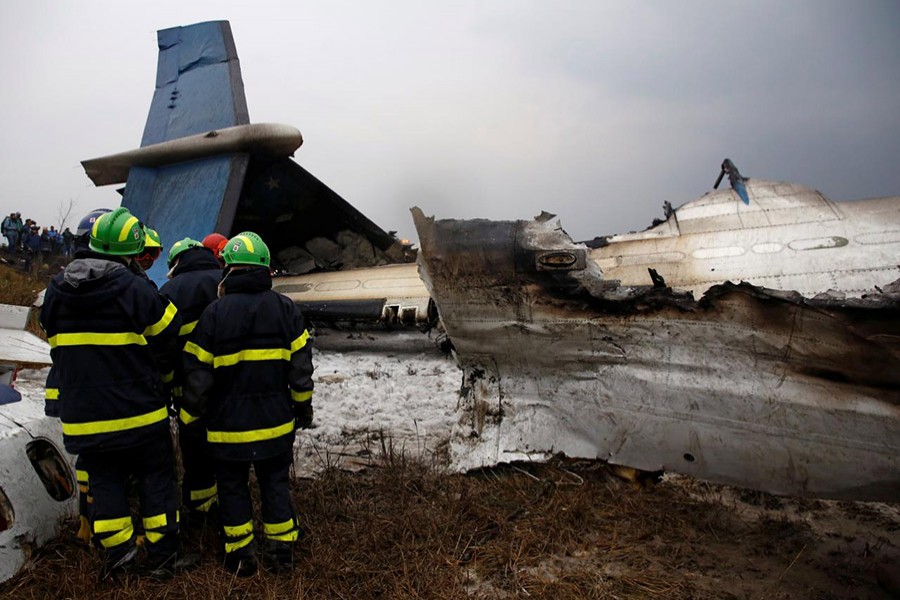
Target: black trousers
<point>236,510</point>
<point>152,464</point>
<point>198,488</point>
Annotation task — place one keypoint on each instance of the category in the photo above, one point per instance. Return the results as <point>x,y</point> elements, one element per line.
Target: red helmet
<point>215,242</point>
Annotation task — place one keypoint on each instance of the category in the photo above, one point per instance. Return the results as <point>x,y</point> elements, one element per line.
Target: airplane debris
<point>781,390</point>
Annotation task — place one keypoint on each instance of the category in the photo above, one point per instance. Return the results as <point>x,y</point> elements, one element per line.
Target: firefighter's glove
<point>303,415</point>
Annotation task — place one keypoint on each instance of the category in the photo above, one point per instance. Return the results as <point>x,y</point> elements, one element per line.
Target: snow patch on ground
<point>374,390</point>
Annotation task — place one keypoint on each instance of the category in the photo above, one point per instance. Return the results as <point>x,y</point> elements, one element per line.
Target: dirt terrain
<point>568,529</point>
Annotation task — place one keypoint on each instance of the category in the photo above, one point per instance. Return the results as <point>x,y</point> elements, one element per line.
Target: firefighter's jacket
<point>248,368</point>
<point>113,341</point>
<point>192,288</point>
<point>51,395</point>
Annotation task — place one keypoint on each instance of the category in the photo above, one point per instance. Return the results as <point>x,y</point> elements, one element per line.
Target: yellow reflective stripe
<point>51,394</point>
<point>285,537</point>
<point>300,341</point>
<point>231,547</point>
<point>247,242</point>
<point>187,328</point>
<point>154,536</point>
<point>126,228</point>
<point>201,354</point>
<point>119,538</point>
<point>96,339</point>
<point>155,522</point>
<point>163,322</point>
<point>113,425</point>
<point>81,476</point>
<point>203,494</point>
<point>178,391</point>
<point>107,525</point>
<point>168,377</point>
<point>279,527</point>
<point>84,489</point>
<point>248,355</point>
<point>238,530</point>
<point>186,417</point>
<point>206,505</point>
<point>301,396</point>
<point>254,435</point>
<point>252,354</point>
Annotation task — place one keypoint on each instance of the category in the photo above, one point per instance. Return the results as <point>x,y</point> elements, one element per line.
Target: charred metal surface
<point>747,386</point>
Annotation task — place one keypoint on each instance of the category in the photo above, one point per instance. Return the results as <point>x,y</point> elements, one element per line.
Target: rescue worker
<point>194,279</point>
<point>248,380</point>
<point>152,248</point>
<point>216,242</point>
<point>80,241</point>
<point>177,248</point>
<point>112,337</point>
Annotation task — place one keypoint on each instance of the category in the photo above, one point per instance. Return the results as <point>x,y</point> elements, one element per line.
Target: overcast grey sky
<point>596,111</point>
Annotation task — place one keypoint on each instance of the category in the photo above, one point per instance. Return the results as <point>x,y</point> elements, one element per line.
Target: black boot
<point>278,556</point>
<point>241,565</point>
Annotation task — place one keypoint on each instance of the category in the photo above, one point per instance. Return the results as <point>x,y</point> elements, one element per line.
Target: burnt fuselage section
<point>782,391</point>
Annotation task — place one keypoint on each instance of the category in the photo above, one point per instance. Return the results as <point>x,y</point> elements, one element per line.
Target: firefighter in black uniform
<point>113,339</point>
<point>194,275</point>
<point>248,380</point>
<point>51,388</point>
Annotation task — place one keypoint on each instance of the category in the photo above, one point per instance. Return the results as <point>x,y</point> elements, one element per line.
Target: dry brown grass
<point>20,288</point>
<point>562,530</point>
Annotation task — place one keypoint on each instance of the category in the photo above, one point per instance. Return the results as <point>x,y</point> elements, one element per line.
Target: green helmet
<point>118,233</point>
<point>179,247</point>
<point>246,248</point>
<point>152,238</point>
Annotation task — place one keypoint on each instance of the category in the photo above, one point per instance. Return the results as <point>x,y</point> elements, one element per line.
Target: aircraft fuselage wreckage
<point>644,352</point>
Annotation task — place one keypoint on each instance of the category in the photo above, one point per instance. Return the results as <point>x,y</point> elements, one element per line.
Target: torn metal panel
<point>746,386</point>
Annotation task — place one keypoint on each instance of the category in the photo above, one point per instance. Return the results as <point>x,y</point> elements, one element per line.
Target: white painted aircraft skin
<point>18,346</point>
<point>36,516</point>
<point>789,237</point>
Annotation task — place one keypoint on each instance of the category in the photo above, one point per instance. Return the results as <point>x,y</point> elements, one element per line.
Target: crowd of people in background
<point>32,242</point>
